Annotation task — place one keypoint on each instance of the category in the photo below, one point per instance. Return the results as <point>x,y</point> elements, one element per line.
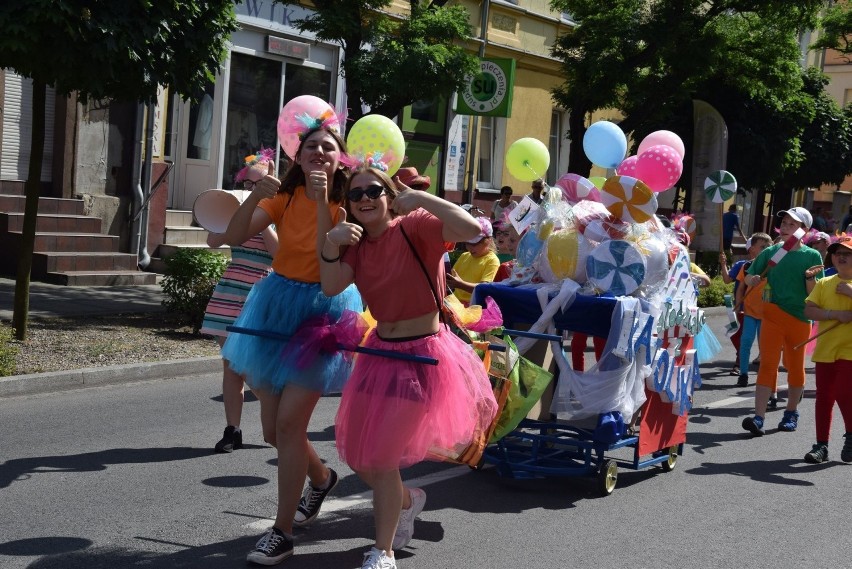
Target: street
<point>125,476</point>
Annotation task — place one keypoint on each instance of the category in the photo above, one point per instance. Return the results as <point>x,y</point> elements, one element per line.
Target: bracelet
<point>327,260</point>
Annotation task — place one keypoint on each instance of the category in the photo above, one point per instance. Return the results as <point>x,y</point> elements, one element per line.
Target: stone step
<point>62,206</point>
<point>52,262</point>
<point>179,218</point>
<point>181,235</point>
<point>52,223</point>
<point>101,278</point>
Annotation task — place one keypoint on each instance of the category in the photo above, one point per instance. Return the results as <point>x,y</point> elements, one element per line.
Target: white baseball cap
<point>800,214</point>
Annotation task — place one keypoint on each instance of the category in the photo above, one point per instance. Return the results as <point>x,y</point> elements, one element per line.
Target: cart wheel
<point>669,464</point>
<point>607,477</point>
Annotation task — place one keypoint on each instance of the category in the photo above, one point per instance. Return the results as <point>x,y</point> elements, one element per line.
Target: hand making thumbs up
<point>344,233</point>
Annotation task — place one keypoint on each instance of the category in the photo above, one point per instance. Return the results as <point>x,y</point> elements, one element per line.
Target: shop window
<point>485,171</point>
<point>554,146</point>
<point>201,125</point>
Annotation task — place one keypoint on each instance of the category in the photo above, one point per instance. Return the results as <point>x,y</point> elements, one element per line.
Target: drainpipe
<point>483,42</point>
<point>138,197</point>
<point>144,259</point>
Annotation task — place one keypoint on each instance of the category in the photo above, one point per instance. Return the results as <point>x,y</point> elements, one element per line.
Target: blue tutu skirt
<point>279,305</point>
<point>706,345</point>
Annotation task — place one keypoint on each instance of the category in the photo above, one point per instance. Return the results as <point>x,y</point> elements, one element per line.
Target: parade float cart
<point>656,379</point>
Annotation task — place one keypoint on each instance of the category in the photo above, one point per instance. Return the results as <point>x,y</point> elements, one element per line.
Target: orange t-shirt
<point>752,299</point>
<point>295,219</point>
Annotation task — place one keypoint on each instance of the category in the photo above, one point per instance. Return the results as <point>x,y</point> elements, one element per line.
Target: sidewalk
<point>51,301</point>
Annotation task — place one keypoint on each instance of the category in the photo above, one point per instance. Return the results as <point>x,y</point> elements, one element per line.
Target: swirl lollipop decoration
<point>720,186</point>
<point>617,267</point>
<point>575,188</point>
<point>628,199</point>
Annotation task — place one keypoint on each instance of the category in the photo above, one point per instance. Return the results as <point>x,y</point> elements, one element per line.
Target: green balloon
<point>527,159</point>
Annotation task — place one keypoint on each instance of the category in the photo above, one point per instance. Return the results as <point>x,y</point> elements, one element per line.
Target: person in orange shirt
<point>285,303</point>
<point>752,304</point>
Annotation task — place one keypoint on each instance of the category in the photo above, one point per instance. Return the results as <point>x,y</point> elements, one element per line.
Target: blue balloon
<point>528,248</point>
<point>605,144</point>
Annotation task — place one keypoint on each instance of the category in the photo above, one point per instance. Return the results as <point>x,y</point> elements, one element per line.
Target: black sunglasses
<point>373,191</point>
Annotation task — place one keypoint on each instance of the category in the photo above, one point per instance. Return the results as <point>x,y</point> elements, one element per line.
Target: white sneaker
<point>378,559</point>
<point>405,528</point>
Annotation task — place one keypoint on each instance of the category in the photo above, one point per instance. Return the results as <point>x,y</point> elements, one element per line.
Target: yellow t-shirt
<point>475,270</point>
<point>296,224</point>
<point>835,344</point>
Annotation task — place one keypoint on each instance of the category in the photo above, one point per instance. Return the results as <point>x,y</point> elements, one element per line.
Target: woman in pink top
<point>396,413</point>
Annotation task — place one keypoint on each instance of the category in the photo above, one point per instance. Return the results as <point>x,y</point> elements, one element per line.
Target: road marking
<point>733,400</point>
<point>365,499</point>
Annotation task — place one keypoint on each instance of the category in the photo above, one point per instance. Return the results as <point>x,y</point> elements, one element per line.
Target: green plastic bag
<point>527,382</point>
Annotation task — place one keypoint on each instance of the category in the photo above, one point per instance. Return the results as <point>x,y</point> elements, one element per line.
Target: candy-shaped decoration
<point>600,230</point>
<point>562,253</point>
<point>528,248</point>
<point>300,115</point>
<point>666,137</point>
<point>617,267</point>
<point>720,186</point>
<point>628,199</point>
<point>655,251</point>
<point>659,167</point>
<point>527,159</point>
<point>687,224</point>
<point>576,188</point>
<point>787,246</point>
<point>378,140</point>
<point>628,167</point>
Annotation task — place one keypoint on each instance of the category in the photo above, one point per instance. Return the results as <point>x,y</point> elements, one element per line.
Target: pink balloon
<point>290,120</point>
<point>628,167</point>
<point>659,167</point>
<point>576,188</point>
<point>666,137</point>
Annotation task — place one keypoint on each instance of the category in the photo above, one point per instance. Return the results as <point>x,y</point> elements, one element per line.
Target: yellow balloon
<point>562,253</point>
<point>377,134</point>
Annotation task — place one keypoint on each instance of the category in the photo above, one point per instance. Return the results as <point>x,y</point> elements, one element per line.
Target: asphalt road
<point>124,476</point>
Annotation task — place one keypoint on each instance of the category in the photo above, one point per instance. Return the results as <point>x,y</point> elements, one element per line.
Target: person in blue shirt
<point>730,223</point>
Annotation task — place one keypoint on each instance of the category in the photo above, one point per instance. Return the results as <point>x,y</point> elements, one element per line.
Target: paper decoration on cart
<point>733,325</point>
<point>655,251</point>
<point>600,230</point>
<point>720,186</point>
<point>576,188</point>
<point>524,215</point>
<point>628,199</point>
<point>616,267</point>
<point>687,224</point>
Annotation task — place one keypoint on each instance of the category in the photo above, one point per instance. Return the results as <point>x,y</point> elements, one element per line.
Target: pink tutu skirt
<point>396,413</point>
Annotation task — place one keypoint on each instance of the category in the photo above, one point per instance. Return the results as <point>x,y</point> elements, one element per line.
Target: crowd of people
<point>309,254</point>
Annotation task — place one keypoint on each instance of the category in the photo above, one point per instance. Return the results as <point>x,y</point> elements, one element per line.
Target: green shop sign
<point>489,92</point>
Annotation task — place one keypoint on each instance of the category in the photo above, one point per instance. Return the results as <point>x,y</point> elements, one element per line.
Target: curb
<point>54,381</point>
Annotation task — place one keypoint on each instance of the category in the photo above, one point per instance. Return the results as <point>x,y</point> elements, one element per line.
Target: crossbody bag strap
<point>438,302</point>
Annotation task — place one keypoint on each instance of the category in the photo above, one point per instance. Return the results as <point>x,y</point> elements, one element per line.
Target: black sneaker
<point>846,453</point>
<point>272,549</point>
<point>754,425</point>
<point>818,454</point>
<point>311,502</point>
<point>231,440</point>
<point>743,380</point>
<point>772,404</point>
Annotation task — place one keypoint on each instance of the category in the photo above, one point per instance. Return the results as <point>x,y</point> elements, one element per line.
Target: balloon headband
<point>263,156</point>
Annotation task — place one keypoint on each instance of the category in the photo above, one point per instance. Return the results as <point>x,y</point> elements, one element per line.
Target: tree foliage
<point>104,49</point>
<point>649,59</point>
<point>836,26</point>
<point>390,63</point>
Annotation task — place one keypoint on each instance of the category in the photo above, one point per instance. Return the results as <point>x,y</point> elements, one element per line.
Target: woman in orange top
<point>284,303</point>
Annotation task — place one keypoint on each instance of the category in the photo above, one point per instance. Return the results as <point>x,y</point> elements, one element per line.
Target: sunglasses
<point>373,191</point>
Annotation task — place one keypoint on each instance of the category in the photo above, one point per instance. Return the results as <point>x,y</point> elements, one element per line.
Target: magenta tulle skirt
<point>397,413</point>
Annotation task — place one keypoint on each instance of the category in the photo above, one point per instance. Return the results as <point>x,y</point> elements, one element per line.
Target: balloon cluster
<point>601,232</point>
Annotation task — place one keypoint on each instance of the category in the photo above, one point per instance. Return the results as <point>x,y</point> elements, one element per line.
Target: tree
<point>836,26</point>
<point>390,63</point>
<point>105,50</point>
<point>650,59</point>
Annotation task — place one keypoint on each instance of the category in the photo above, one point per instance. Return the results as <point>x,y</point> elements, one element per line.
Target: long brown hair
<point>295,176</point>
<point>390,189</point>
